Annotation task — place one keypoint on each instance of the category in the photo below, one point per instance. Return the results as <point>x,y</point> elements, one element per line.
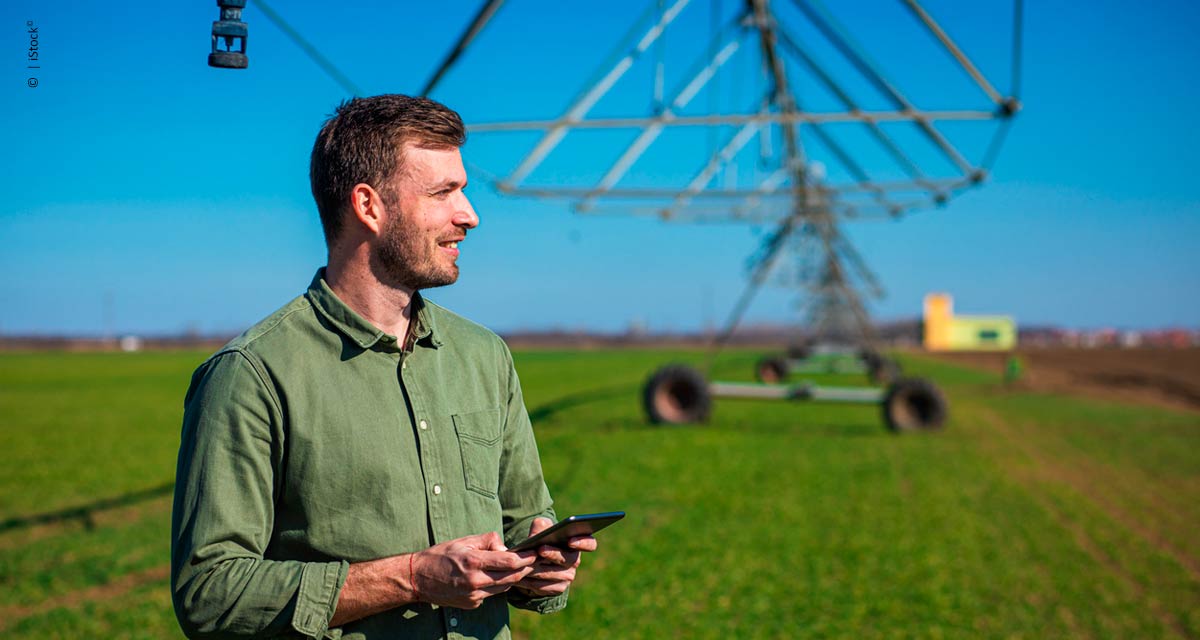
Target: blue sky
<point>147,193</point>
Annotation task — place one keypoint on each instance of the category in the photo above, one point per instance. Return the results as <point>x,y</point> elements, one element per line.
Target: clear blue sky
<point>135,174</point>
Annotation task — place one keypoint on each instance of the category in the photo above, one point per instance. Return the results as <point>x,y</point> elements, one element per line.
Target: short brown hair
<point>363,142</point>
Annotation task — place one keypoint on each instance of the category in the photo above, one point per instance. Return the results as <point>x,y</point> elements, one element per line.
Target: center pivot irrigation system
<point>779,182</point>
<point>790,191</point>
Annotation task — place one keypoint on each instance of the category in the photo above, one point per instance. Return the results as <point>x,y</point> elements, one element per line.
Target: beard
<point>407,259</point>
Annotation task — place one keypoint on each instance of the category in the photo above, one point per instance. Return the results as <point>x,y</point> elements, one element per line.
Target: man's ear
<point>367,205</point>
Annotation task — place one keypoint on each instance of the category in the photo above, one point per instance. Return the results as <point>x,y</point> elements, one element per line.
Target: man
<point>354,465</point>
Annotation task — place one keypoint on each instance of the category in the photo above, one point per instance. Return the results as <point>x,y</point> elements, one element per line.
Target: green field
<point>1029,516</point>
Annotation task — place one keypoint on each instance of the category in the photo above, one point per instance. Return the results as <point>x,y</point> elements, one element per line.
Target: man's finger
<point>493,589</point>
<point>551,573</point>
<point>509,578</point>
<point>582,543</point>
<point>504,561</point>
<point>539,525</point>
<point>545,587</point>
<point>558,556</point>
<point>541,583</point>
<point>490,541</point>
<point>527,553</point>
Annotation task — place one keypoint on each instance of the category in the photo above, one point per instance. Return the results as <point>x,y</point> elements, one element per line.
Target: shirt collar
<point>361,331</point>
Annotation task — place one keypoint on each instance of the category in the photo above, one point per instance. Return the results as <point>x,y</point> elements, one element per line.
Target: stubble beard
<point>407,262</point>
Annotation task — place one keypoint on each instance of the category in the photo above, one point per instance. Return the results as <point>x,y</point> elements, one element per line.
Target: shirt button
<point>437,489</point>
<point>454,622</point>
<point>424,425</point>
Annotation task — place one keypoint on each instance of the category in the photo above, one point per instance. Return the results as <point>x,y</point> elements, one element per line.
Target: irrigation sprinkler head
<point>229,30</point>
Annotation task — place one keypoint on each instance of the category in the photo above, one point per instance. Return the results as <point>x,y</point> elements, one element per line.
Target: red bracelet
<point>412,578</point>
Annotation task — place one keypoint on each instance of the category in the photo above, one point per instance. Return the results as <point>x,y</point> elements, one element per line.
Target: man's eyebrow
<point>447,184</point>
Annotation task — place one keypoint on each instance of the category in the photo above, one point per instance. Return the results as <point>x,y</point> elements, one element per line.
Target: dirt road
<point>1165,377</point>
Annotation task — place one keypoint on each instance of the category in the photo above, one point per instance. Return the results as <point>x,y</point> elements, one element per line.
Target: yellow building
<point>945,331</point>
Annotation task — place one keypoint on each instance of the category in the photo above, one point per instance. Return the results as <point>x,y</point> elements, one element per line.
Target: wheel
<point>882,370</point>
<point>913,404</point>
<point>676,394</point>
<point>771,369</point>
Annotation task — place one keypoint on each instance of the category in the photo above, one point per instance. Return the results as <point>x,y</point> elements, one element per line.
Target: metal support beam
<point>772,249</point>
<point>768,188</point>
<point>313,54</point>
<point>838,37</point>
<point>486,13</point>
<point>781,96</point>
<point>954,50</point>
<point>580,107</point>
<point>793,46</point>
<point>679,101</point>
<point>797,392</point>
<point>807,117</point>
<point>714,164</point>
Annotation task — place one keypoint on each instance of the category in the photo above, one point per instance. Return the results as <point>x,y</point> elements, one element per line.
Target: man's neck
<point>387,307</point>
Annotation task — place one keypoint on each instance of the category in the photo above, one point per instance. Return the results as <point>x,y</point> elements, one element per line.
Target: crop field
<point>1033,514</point>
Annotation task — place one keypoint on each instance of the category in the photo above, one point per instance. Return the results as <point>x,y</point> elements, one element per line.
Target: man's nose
<point>464,215</point>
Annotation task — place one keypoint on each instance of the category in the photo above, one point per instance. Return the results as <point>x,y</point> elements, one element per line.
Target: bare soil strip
<point>1159,377</point>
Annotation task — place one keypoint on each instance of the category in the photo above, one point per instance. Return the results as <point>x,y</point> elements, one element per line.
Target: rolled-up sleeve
<point>225,488</point>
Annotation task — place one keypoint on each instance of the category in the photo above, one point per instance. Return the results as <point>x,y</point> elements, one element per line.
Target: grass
<point>1029,516</point>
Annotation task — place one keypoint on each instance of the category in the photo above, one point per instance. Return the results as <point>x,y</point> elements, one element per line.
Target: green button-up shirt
<point>315,440</point>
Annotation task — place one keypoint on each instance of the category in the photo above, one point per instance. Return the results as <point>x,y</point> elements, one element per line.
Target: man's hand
<point>462,573</point>
<point>554,570</point>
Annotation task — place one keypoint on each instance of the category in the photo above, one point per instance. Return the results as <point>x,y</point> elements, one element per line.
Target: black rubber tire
<point>771,370</point>
<point>914,404</point>
<point>882,370</point>
<point>676,394</point>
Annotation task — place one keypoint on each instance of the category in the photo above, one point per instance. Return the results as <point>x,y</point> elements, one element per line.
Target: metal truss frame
<point>805,208</point>
<point>760,204</point>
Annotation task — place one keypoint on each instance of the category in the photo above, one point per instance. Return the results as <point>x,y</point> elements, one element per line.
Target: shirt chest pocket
<point>479,439</point>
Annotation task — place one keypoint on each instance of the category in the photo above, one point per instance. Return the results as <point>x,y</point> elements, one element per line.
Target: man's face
<point>428,215</point>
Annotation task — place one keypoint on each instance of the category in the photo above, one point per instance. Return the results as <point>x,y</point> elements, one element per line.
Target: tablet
<point>562,531</point>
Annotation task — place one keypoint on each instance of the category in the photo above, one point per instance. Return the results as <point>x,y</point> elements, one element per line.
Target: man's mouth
<point>449,244</point>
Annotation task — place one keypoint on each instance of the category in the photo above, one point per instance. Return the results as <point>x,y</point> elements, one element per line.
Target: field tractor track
<point>1045,471</point>
<point>11,615</point>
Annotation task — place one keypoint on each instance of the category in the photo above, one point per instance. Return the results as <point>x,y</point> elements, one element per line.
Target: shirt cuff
<point>317,597</point>
<point>541,604</point>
